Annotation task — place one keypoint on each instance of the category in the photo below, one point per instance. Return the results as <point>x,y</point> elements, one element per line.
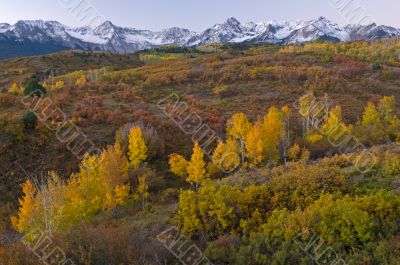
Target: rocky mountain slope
<point>40,37</point>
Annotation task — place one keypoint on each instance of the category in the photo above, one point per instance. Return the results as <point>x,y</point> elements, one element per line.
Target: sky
<point>197,15</point>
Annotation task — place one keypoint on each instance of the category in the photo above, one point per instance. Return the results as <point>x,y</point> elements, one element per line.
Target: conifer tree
<point>34,88</point>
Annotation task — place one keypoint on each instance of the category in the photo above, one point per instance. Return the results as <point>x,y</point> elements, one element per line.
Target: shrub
<point>391,165</point>
<point>169,195</point>
<point>7,100</point>
<point>376,67</point>
<point>223,91</point>
<point>388,75</point>
<point>11,133</point>
<point>29,120</point>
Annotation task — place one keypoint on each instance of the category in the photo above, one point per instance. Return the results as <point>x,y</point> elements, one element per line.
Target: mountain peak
<point>106,29</point>
<point>232,21</point>
<point>4,27</point>
<point>108,23</point>
<point>30,23</point>
<point>322,20</point>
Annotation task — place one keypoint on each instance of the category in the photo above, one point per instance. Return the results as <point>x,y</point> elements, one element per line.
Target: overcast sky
<point>199,15</point>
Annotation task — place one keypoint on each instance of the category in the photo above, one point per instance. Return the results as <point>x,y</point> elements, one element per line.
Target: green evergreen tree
<point>30,120</point>
<point>34,88</point>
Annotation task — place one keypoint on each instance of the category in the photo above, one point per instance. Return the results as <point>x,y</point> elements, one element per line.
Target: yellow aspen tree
<point>371,115</point>
<point>178,165</point>
<point>196,167</point>
<point>333,119</point>
<point>238,127</point>
<point>96,187</point>
<point>233,146</point>
<point>254,145</point>
<point>26,219</point>
<point>137,149</point>
<point>386,108</point>
<point>334,128</point>
<point>215,213</point>
<point>224,158</point>
<point>85,192</point>
<point>121,195</point>
<point>15,89</point>
<point>51,196</point>
<point>187,214</point>
<point>305,105</point>
<point>113,171</point>
<point>113,167</point>
<point>218,154</point>
<point>54,205</point>
<point>273,132</point>
<point>294,152</point>
<point>40,207</point>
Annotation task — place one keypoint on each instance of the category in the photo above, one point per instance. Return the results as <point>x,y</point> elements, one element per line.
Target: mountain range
<point>34,37</point>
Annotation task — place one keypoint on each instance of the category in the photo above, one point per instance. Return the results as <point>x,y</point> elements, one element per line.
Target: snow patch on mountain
<point>4,27</point>
<point>86,36</point>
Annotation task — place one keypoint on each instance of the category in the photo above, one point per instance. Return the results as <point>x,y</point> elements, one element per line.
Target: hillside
<point>288,177</point>
<point>21,69</point>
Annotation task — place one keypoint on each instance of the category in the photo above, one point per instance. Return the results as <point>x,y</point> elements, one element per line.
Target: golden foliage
<point>197,167</point>
<point>371,115</point>
<point>137,147</point>
<point>178,165</point>
<point>273,132</point>
<point>254,145</point>
<point>294,152</point>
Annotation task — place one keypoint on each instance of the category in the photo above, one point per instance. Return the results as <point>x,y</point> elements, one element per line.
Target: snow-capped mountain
<point>37,37</point>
